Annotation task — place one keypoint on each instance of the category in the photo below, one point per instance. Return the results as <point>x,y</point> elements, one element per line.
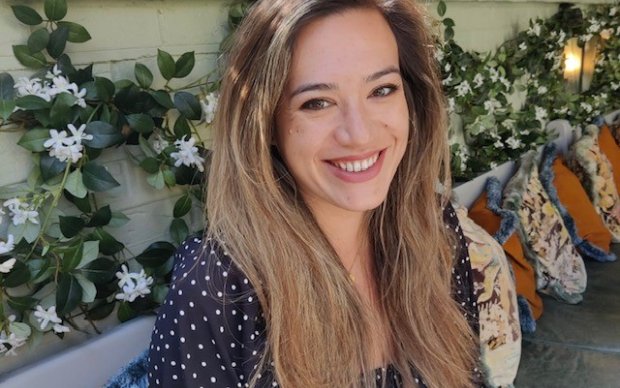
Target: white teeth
<point>358,165</point>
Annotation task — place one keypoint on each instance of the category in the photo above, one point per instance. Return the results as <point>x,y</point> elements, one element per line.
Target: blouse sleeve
<point>210,328</point>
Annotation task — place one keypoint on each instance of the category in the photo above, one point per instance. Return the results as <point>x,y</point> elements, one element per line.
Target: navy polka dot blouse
<point>210,330</point>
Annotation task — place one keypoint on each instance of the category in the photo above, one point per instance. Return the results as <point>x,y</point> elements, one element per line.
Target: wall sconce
<point>579,62</point>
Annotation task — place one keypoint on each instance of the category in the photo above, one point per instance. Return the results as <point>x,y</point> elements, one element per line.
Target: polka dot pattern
<point>210,331</point>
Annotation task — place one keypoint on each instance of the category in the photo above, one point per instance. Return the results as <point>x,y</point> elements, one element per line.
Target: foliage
<point>480,87</point>
<point>59,260</point>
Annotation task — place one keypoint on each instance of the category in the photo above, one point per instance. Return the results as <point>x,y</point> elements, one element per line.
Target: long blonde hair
<point>316,325</point>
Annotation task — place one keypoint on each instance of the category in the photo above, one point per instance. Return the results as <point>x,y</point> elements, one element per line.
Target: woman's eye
<point>315,104</point>
<point>384,90</point>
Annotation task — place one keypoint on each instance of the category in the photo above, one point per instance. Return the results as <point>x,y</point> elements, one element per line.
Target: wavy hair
<point>316,321</point>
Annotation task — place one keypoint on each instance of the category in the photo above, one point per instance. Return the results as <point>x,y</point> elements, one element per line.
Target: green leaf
<point>38,40</point>
<point>182,128</point>
<point>104,135</point>
<point>77,32</point>
<point>6,109</point>
<point>156,254</point>
<point>125,312</point>
<point>182,206</point>
<point>184,65</point>
<point>60,111</point>
<point>100,270</point>
<point>22,303</point>
<point>34,139</point>
<point>118,219</point>
<point>100,312</point>
<point>143,75</point>
<point>169,177</point>
<point>7,86</point>
<point>20,274</point>
<point>163,98</point>
<point>71,226</point>
<point>58,41</point>
<point>179,230</point>
<point>68,294</point>
<point>150,165</point>
<point>89,291</point>
<point>28,58</point>
<point>448,22</point>
<point>156,180</point>
<point>75,185</point>
<point>27,15</point>
<point>72,257</point>
<point>50,166</point>
<point>32,103</point>
<point>90,253</point>
<point>441,8</point>
<point>166,64</point>
<point>108,245</point>
<point>28,231</point>
<point>101,217</point>
<point>146,148</point>
<point>97,178</point>
<point>141,122</point>
<point>159,293</point>
<point>55,9</point>
<point>188,105</point>
<point>105,88</point>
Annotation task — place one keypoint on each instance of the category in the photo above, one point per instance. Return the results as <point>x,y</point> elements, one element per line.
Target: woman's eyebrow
<point>330,86</point>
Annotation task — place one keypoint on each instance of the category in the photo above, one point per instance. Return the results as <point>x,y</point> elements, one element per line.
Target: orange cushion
<point>608,145</point>
<point>524,273</point>
<point>573,196</point>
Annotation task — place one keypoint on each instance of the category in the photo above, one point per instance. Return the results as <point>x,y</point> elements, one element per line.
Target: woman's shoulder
<point>203,265</point>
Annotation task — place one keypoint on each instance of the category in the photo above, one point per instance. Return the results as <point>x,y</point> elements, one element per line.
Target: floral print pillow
<point>496,298</point>
<point>560,271</point>
<point>595,172</point>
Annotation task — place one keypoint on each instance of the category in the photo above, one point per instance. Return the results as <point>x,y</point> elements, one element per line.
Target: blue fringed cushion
<point>585,210</point>
<point>594,170</point>
<point>559,268</point>
<point>496,299</point>
<point>133,375</point>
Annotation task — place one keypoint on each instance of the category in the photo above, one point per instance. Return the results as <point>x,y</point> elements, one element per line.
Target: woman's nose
<point>355,128</point>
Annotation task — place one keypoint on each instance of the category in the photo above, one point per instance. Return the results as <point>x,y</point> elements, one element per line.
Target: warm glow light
<point>572,63</point>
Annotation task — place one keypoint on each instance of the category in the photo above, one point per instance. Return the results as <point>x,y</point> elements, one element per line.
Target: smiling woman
<point>329,260</point>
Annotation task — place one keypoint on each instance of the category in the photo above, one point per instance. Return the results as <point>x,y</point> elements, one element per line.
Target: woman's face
<point>343,122</point>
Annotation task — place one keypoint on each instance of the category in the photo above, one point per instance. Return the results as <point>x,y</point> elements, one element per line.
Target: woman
<point>330,260</point>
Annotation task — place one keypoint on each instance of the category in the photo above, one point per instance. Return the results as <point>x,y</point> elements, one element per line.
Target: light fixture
<point>579,62</point>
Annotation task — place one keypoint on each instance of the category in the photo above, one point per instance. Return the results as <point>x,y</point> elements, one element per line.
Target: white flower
<point>615,86</point>
<point>523,46</point>
<point>133,284</point>
<point>509,123</point>
<point>187,154</point>
<point>504,81</point>
<point>587,107</point>
<point>562,37</point>
<point>541,114</point>
<point>12,340</point>
<point>478,80</point>
<point>57,139</point>
<point>8,265</point>
<point>606,33</point>
<point>550,55</point>
<point>514,143</point>
<point>159,143</point>
<point>45,317</point>
<point>451,105</point>
<point>463,89</point>
<point>447,80</point>
<point>61,84</point>
<point>58,328</point>
<point>612,11</point>
<point>542,90</point>
<point>55,72</point>
<point>79,95</point>
<point>491,105</point>
<point>594,27</point>
<point>447,67</point>
<point>534,30</point>
<point>8,246</point>
<point>493,165</point>
<point>64,153</point>
<point>209,106</point>
<point>21,212</point>
<point>585,38</point>
<point>439,54</point>
<point>78,134</point>
<point>498,144</point>
<point>493,74</point>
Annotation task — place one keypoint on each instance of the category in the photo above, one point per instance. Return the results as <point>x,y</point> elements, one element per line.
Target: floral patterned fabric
<point>560,270</point>
<point>595,173</point>
<point>496,298</point>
